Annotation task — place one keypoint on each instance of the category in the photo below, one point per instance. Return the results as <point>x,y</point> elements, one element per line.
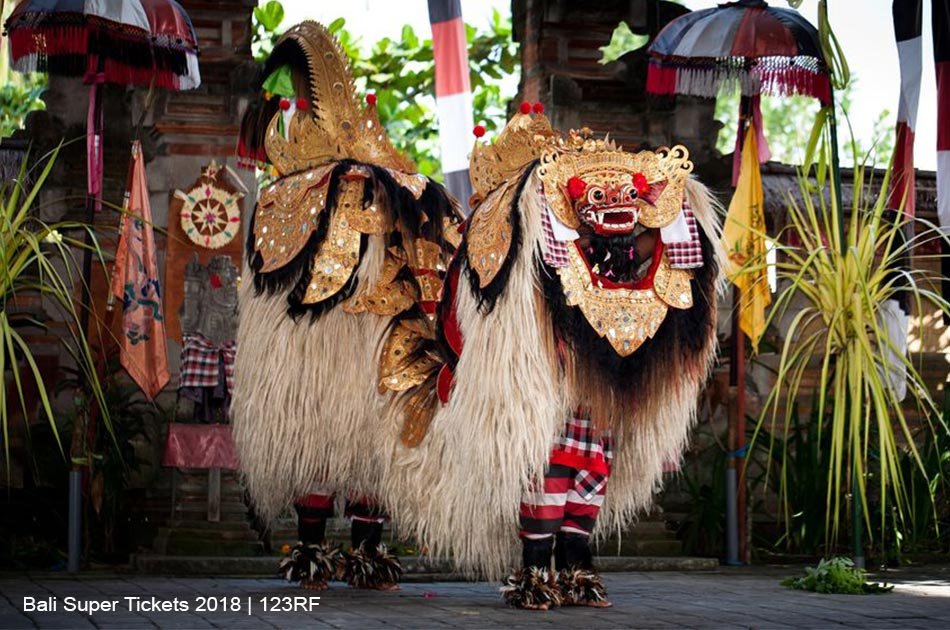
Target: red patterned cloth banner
<point>200,446</point>
<point>136,282</point>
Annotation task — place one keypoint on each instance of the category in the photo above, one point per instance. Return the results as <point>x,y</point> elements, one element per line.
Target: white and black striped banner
<point>453,94</point>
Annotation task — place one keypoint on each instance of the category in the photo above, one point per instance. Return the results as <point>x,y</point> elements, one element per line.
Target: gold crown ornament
<point>335,126</point>
<point>522,141</point>
<point>589,181</point>
<point>654,180</point>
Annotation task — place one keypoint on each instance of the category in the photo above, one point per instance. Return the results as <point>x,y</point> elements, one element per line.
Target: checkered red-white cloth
<point>202,359</point>
<point>555,251</point>
<point>588,452</point>
<point>688,254</point>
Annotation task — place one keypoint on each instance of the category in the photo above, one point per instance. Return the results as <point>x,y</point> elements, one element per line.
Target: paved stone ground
<point>742,598</point>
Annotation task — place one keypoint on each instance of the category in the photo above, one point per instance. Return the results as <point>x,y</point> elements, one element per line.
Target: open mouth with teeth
<point>611,220</point>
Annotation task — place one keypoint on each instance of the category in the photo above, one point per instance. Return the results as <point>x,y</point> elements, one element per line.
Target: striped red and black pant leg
<point>558,507</point>
<point>581,512</point>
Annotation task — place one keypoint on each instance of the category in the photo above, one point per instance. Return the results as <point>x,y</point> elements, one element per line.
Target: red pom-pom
<point>371,99</point>
<point>538,108</point>
<point>215,281</point>
<point>576,187</point>
<point>640,183</point>
<point>303,104</point>
<point>479,131</point>
<point>526,108</point>
<point>285,104</point>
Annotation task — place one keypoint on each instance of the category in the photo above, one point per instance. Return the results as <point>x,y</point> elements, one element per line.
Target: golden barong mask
<point>597,183</point>
<point>617,273</point>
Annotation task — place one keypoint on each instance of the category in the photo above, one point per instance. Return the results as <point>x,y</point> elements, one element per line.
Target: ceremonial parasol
<point>149,43</point>
<point>746,44</point>
<point>758,49</point>
<point>138,42</point>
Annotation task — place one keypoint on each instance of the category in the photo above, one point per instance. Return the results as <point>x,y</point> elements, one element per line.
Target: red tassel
<point>661,79</point>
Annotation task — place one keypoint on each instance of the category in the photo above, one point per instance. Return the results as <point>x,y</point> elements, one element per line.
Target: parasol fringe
<point>779,76</point>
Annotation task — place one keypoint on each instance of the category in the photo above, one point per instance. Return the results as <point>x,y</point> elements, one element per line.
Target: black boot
<point>537,553</point>
<point>366,534</point>
<point>311,531</point>
<point>533,586</point>
<point>572,551</point>
<point>369,564</point>
<point>577,581</point>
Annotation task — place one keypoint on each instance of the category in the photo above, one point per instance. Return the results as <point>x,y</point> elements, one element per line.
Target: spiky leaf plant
<point>36,258</point>
<point>834,285</point>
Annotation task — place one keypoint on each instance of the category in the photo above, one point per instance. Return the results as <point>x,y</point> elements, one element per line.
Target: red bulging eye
<point>576,187</point>
<point>640,183</point>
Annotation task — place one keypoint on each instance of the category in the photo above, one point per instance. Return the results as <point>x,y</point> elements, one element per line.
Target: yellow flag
<point>743,238</point>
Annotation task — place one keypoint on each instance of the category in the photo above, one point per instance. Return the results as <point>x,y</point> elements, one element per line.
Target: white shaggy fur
<point>305,403</point>
<point>460,490</point>
<point>307,410</point>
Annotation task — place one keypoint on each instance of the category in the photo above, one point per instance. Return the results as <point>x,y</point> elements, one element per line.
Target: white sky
<point>863,27</point>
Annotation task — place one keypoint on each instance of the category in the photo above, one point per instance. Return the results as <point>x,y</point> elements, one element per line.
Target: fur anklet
<point>310,563</point>
<point>581,587</point>
<point>531,588</point>
<point>371,570</point>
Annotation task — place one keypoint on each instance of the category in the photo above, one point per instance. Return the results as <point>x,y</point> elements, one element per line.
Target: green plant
<point>36,259</point>
<point>266,24</point>
<point>622,41</point>
<point>836,575</point>
<point>402,74</point>
<point>786,121</point>
<point>836,284</point>
<point>927,528</point>
<point>703,530</point>
<point>19,97</point>
<point>802,496</point>
<point>20,93</point>
<point>111,459</point>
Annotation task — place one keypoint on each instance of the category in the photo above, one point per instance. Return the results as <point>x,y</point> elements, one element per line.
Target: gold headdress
<point>337,126</point>
<point>522,140</point>
<point>526,138</point>
<point>647,185</point>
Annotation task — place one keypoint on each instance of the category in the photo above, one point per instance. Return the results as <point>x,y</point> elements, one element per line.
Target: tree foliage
<point>20,94</point>
<point>401,72</point>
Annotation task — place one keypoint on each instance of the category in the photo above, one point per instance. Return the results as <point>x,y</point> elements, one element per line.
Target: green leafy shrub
<point>836,575</point>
